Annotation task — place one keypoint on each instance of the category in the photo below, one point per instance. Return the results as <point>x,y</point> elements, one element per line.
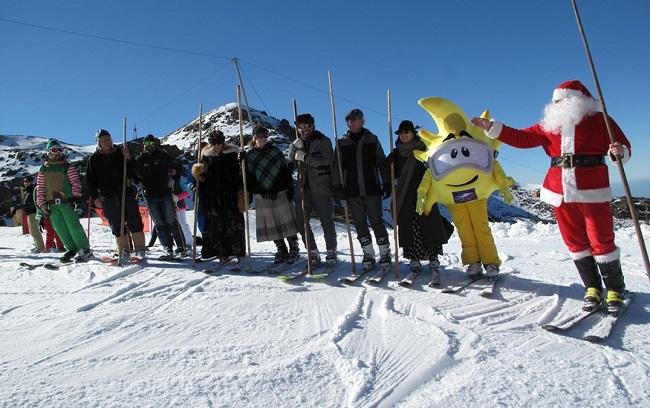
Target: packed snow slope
<point>165,334</point>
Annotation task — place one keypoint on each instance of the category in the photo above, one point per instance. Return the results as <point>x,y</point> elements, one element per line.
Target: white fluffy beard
<point>567,113</point>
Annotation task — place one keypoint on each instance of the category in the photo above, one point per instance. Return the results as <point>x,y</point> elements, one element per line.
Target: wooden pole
<point>393,185</point>
<point>340,169</point>
<point>197,183</point>
<point>120,256</point>
<point>243,175</point>
<point>301,181</point>
<point>619,163</point>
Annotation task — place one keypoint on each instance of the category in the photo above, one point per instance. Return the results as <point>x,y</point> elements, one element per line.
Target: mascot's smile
<point>466,183</point>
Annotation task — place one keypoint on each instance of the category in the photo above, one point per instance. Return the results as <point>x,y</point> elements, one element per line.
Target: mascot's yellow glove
<point>421,199</point>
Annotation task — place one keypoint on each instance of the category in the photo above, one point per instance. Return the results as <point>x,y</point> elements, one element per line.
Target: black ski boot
<point>294,250</point>
<point>282,254</point>
<point>385,258</point>
<point>613,278</point>
<point>68,257</point>
<point>368,253</point>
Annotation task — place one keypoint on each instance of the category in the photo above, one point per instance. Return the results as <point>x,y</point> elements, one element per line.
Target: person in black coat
<point>153,168</point>
<point>220,191</point>
<point>420,236</point>
<point>104,174</point>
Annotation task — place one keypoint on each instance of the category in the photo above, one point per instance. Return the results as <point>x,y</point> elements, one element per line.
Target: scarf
<point>266,164</point>
<point>405,150</point>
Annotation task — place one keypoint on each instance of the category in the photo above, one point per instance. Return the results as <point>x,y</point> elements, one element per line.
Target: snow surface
<point>167,335</point>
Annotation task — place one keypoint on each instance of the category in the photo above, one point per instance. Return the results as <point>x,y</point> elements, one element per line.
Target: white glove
<point>299,144</point>
<point>300,155</point>
<point>175,198</point>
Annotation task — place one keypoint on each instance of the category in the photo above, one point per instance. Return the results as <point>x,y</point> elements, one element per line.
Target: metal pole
<point>340,169</point>
<point>235,61</point>
<point>393,185</point>
<point>197,184</point>
<point>619,163</point>
<point>301,173</point>
<point>120,256</point>
<point>243,175</point>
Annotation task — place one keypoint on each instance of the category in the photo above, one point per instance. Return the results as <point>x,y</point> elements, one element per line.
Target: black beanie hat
<point>216,137</point>
<point>102,133</point>
<point>259,129</point>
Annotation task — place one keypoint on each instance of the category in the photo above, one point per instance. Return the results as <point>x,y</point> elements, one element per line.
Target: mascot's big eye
<point>464,151</point>
<point>454,153</point>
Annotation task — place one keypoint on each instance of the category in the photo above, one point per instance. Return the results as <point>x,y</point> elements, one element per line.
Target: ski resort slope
<point>167,335</point>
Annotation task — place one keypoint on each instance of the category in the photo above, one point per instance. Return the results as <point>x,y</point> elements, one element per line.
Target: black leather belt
<point>568,161</point>
<point>57,201</point>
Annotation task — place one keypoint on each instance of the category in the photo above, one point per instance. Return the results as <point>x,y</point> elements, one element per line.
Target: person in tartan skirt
<point>268,177</point>
<point>420,236</point>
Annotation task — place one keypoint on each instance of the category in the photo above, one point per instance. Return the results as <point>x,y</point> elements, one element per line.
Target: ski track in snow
<point>167,335</point>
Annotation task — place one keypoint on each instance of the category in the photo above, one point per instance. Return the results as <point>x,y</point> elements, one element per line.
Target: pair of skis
<point>598,332</point>
<point>413,275</point>
<point>486,285</point>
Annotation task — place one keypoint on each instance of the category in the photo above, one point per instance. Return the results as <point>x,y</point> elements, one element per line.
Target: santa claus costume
<point>573,133</point>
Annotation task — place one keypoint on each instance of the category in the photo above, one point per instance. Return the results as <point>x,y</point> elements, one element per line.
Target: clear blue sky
<point>503,55</point>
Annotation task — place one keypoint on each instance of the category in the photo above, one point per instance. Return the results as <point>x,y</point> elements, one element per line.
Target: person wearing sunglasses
<point>153,168</point>
<point>104,174</point>
<point>365,182</point>
<point>268,177</point>
<point>220,188</point>
<point>58,190</point>
<point>312,153</point>
<point>420,236</point>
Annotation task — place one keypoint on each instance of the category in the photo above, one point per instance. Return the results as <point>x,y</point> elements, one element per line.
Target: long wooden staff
<point>393,185</point>
<point>197,184</point>
<point>619,163</point>
<point>301,172</point>
<point>120,255</point>
<point>340,169</point>
<point>243,175</point>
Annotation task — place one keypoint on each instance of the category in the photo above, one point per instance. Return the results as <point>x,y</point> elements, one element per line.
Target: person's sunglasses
<point>261,135</point>
<point>304,126</point>
<point>56,150</point>
<point>149,142</point>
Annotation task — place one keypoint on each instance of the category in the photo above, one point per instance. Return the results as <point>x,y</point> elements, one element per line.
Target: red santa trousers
<point>587,229</point>
<point>51,236</point>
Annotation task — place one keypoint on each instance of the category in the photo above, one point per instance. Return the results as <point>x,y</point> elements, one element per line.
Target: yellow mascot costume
<point>462,173</point>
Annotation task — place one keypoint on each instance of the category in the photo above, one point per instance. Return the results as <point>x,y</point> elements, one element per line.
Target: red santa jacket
<point>577,184</point>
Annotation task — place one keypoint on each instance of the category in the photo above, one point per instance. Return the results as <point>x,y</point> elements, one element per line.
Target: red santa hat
<point>571,88</point>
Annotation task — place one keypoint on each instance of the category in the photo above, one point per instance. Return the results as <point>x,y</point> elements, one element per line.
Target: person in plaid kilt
<point>268,177</point>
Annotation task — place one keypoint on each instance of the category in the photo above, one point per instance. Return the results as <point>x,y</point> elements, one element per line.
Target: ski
<point>487,290</point>
<point>113,261</point>
<point>291,276</point>
<point>210,258</point>
<point>435,279</point>
<point>410,278</point>
<point>279,268</point>
<point>463,286</point>
<point>570,321</point>
<point>378,277</point>
<point>46,265</point>
<point>355,276</point>
<point>602,329</point>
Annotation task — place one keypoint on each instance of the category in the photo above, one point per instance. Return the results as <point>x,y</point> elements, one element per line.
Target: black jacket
<point>104,173</point>
<point>222,178</point>
<point>362,161</point>
<point>152,169</point>
<point>28,205</point>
